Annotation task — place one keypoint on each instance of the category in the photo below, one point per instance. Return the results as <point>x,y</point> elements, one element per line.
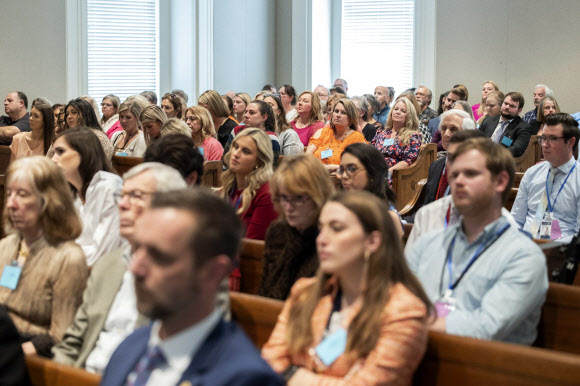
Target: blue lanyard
<point>482,248</point>
<point>232,199</point>
<point>550,206</point>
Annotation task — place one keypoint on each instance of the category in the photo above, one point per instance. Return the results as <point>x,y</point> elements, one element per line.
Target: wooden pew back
<point>5,154</point>
<point>251,265</point>
<point>531,156</point>
<point>212,174</point>
<point>256,315</point>
<point>122,164</point>
<point>2,203</point>
<point>44,372</point>
<point>405,181</point>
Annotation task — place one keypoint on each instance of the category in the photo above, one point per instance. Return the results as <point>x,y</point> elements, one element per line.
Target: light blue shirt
<point>501,295</point>
<point>533,186</point>
<point>381,116</point>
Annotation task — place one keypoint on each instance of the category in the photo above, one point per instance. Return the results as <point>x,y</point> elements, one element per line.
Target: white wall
<point>33,49</point>
<point>244,49</point>
<point>516,43</point>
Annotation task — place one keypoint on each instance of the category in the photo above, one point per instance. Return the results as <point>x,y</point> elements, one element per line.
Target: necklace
<point>127,139</point>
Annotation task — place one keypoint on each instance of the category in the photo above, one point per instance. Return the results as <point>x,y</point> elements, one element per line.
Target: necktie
<point>499,132</point>
<point>153,359</point>
<point>443,184</point>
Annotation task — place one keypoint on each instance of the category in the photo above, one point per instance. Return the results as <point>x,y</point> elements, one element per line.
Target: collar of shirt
<point>565,168</point>
<point>127,253</point>
<point>501,120</point>
<point>180,349</point>
<point>488,231</point>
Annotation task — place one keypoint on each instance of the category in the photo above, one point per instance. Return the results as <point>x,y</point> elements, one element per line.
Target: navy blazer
<point>435,172</point>
<point>13,369</point>
<point>226,357</point>
<point>518,131</point>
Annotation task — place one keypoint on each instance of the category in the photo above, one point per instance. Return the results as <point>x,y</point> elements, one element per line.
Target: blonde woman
<point>175,126</point>
<point>400,141</point>
<point>364,305</point>
<point>241,101</point>
<point>152,118</point>
<point>309,118</point>
<point>548,106</point>
<point>487,87</point>
<point>129,142</point>
<point>219,112</point>
<point>203,133</point>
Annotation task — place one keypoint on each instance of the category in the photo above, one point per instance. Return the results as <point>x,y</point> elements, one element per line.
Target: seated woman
<point>341,132</point>
<point>245,183</point>
<point>423,128</point>
<point>493,103</point>
<point>309,118</point>
<point>130,141</point>
<point>399,143</point>
<point>203,133</point>
<point>362,167</point>
<point>78,112</point>
<point>374,106</point>
<point>175,126</point>
<point>548,106</point>
<point>241,101</point>
<point>110,119</point>
<point>486,88</point>
<point>363,319</point>
<point>290,143</point>
<point>173,105</point>
<point>300,187</point>
<point>58,110</point>
<point>230,105</point>
<point>53,271</point>
<point>152,118</point>
<point>38,140</point>
<point>94,187</point>
<point>288,98</point>
<point>218,109</point>
<point>364,127</point>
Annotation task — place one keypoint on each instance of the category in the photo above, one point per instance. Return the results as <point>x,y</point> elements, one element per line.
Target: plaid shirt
<point>530,115</point>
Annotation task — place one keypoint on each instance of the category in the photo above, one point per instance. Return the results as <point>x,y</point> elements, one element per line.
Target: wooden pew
<point>531,156</point>
<point>406,181</point>
<point>44,372</point>
<point>511,198</point>
<point>517,179</point>
<point>5,155</point>
<point>212,174</point>
<point>558,328</point>
<point>251,265</point>
<point>417,201</point>
<point>122,164</point>
<point>2,202</point>
<point>256,315</point>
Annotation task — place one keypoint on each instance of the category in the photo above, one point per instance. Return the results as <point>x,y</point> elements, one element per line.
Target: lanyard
<point>550,206</point>
<point>482,248</point>
<point>232,199</point>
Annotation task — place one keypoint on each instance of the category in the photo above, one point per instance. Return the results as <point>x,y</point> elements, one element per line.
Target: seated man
<point>548,200</point>
<point>508,129</point>
<point>16,119</point>
<point>186,245</point>
<point>487,280</point>
<point>108,312</point>
<point>452,121</point>
<point>454,95</point>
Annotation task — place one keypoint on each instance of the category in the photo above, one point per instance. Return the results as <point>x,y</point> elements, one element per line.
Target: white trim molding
<point>76,48</point>
<point>425,47</point>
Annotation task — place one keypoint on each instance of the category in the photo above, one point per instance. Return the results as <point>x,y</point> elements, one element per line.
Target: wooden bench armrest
<point>405,180</point>
<point>44,372</point>
<point>417,201</point>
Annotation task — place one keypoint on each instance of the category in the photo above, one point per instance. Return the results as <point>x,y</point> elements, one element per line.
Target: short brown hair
<point>499,159</point>
<point>215,104</point>
<point>460,91</point>
<point>516,97</point>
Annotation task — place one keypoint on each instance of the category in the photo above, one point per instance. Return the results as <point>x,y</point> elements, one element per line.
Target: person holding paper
<point>363,319</point>
<point>43,271</point>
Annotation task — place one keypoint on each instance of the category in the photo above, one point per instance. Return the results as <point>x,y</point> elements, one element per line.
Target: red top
<point>259,214</point>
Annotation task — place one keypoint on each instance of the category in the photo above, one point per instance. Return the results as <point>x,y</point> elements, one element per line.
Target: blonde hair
<point>411,122</point>
<point>257,177</point>
<point>134,107</point>
<point>315,111</point>
<point>58,217</point>
<point>215,104</point>
<point>174,126</point>
<point>247,100</point>
<point>152,113</point>
<point>207,126</point>
<point>302,175</point>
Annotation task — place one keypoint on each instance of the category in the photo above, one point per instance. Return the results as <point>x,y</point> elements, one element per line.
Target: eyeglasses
<point>192,119</point>
<point>350,170</point>
<point>295,201</point>
<point>135,196</point>
<point>549,140</point>
<point>106,105</point>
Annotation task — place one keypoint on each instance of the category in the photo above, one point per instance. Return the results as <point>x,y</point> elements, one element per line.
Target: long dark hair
<point>93,158</point>
<point>265,108</point>
<point>87,116</point>
<point>48,124</point>
<point>376,167</point>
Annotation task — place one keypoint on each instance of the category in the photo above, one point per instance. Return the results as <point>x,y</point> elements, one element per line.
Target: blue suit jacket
<point>226,357</point>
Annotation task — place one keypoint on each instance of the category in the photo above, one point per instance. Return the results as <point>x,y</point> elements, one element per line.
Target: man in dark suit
<point>12,364</point>
<point>508,129</point>
<point>185,245</point>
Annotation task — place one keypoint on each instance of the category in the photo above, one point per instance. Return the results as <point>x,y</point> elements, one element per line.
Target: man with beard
<point>540,92</point>
<point>508,129</point>
<point>455,94</point>
<point>486,279</point>
<point>424,95</point>
<point>185,245</point>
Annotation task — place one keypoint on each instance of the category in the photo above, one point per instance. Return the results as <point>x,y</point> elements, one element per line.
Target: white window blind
<point>377,44</point>
<point>122,47</point>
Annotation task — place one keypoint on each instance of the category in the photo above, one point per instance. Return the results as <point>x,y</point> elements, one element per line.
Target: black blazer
<point>518,131</point>
<point>12,365</point>
<point>435,172</point>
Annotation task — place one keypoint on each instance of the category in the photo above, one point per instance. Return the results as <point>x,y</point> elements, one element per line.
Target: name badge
<point>507,141</point>
<point>332,347</point>
<point>325,154</point>
<point>389,142</point>
<point>123,154</point>
<point>200,150</point>
<point>546,227</point>
<point>445,305</point>
<point>10,276</point>
<point>556,232</point>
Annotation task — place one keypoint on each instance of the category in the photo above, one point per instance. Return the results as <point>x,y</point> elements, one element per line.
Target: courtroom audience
<point>38,140</point>
<point>288,97</point>
<point>487,87</point>
<point>287,136</point>
<point>130,141</point>
<point>364,127</point>
<point>175,126</point>
<point>77,154</point>
<point>152,118</point>
<point>199,121</point>
<point>363,297</point>
<point>493,103</point>
<point>50,268</point>
<point>219,112</point>
<point>548,106</point>
<point>173,105</point>
<point>540,92</point>
<point>241,101</point>
<point>299,188</point>
<point>110,119</point>
<point>309,116</point>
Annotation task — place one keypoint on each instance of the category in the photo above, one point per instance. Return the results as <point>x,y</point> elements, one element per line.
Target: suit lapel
<point>510,129</point>
<point>132,355</point>
<point>492,125</point>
